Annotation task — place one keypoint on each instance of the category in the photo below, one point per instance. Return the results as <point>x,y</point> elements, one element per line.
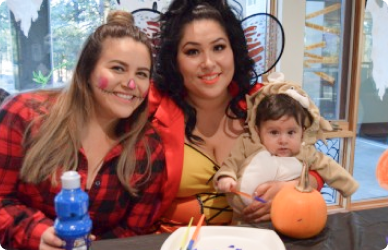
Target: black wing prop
<point>265,37</point>
<point>264,34</point>
<point>148,21</point>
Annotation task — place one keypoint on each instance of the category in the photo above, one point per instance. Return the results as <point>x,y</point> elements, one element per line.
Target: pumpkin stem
<point>304,182</point>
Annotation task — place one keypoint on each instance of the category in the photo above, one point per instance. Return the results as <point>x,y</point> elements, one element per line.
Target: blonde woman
<point>97,126</point>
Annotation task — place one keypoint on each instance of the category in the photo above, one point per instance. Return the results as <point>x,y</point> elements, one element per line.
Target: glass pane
<point>40,49</point>
<point>7,81</point>
<point>71,24</point>
<point>372,129</point>
<point>322,58</point>
<point>332,148</point>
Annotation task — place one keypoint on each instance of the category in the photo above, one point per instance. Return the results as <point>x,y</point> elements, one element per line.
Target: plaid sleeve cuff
<point>37,232</point>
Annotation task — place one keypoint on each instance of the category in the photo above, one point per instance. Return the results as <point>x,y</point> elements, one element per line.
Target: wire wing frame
<point>265,39</point>
<point>148,22</point>
<point>263,32</point>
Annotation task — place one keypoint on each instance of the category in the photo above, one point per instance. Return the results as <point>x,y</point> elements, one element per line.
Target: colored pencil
<point>184,239</point>
<point>260,199</point>
<point>248,196</point>
<point>195,235</point>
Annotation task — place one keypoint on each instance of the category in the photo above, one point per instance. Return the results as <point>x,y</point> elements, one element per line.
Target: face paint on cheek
<point>103,83</point>
<point>145,93</point>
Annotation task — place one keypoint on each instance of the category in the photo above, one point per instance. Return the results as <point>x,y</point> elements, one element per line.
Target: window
<point>372,122</point>
<point>6,44</point>
<point>44,54</point>
<point>324,47</point>
<point>345,90</point>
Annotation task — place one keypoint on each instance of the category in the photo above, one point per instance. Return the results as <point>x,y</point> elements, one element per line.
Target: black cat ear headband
<point>263,32</point>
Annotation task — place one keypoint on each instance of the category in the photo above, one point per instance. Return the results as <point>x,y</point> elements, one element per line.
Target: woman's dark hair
<point>273,107</point>
<point>169,80</point>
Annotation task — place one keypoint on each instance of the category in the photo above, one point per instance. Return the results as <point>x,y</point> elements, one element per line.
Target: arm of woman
<point>257,211</point>
<point>143,213</point>
<point>20,226</point>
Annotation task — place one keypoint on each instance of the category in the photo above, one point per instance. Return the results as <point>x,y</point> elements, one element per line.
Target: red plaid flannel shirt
<point>27,210</point>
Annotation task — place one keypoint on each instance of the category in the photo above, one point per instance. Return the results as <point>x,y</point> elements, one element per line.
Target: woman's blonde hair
<point>54,145</point>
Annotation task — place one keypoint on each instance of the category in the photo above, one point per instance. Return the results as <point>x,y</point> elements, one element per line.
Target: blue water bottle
<point>73,224</point>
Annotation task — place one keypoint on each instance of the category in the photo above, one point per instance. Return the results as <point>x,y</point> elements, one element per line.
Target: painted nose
<point>131,84</point>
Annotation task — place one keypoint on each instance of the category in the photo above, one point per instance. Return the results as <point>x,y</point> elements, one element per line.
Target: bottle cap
<point>71,180</point>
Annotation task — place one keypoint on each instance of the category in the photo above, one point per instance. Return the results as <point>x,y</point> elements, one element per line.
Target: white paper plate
<point>226,238</point>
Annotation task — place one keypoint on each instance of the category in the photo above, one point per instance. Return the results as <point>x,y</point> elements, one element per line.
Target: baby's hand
<point>225,184</point>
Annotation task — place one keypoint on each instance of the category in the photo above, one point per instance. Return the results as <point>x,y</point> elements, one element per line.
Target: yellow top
<point>196,194</point>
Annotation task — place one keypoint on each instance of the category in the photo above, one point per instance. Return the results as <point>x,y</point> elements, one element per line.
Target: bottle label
<point>77,244</point>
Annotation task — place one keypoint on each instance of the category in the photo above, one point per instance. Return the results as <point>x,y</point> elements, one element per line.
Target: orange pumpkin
<point>299,211</point>
<point>382,170</point>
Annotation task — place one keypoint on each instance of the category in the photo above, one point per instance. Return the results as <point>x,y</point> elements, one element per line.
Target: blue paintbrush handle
<point>190,246</point>
<point>260,199</point>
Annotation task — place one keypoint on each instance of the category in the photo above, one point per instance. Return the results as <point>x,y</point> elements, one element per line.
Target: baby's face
<point>281,137</point>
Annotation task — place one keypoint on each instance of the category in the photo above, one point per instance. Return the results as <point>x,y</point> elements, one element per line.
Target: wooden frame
<point>347,128</point>
<point>355,84</point>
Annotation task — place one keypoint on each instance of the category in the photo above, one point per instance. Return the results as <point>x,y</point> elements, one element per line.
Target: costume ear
<point>265,38</point>
<point>148,22</point>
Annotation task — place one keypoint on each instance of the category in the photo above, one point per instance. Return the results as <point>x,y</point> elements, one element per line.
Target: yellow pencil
<point>183,242</point>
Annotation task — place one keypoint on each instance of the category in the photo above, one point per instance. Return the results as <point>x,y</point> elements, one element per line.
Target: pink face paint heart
<point>131,84</point>
<point>103,83</point>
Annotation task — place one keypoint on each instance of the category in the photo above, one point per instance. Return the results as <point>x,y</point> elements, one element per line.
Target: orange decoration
<point>382,170</point>
<point>299,211</point>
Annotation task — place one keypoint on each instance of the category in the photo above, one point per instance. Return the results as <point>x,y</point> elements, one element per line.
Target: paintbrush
<point>248,196</point>
<point>195,235</point>
<point>184,239</point>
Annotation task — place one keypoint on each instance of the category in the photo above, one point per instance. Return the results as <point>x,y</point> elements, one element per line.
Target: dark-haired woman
<point>203,73</point>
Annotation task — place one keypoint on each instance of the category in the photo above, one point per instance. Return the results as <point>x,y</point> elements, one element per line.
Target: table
<point>358,230</point>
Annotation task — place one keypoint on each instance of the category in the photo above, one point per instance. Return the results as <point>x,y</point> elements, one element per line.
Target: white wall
<point>292,14</point>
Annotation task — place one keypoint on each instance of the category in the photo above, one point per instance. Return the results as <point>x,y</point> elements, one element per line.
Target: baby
<point>281,117</point>
<point>280,125</point>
